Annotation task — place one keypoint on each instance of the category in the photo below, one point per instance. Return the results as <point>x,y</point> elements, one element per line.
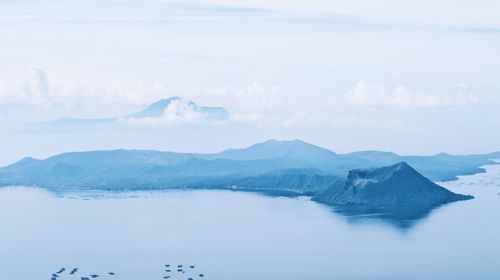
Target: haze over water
<point>237,235</point>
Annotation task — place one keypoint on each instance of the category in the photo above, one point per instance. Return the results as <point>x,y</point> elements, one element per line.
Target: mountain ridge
<point>129,169</point>
<point>272,148</point>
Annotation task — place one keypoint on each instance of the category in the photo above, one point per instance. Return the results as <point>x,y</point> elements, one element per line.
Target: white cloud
<point>36,91</point>
<point>304,119</point>
<point>256,104</point>
<point>371,104</point>
<point>37,87</point>
<point>256,97</point>
<point>371,96</point>
<point>367,94</point>
<point>32,91</point>
<point>177,113</point>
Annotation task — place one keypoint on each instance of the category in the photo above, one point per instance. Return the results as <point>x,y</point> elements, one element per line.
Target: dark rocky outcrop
<point>395,185</point>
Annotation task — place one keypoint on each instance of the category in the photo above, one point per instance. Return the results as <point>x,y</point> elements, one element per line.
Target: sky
<point>412,77</point>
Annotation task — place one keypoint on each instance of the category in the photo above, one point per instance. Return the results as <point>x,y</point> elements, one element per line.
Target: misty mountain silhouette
<point>173,105</point>
<point>292,165</point>
<point>157,109</point>
<point>273,149</point>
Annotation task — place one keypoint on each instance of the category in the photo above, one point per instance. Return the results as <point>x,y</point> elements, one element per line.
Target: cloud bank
<point>371,96</point>
<point>256,104</point>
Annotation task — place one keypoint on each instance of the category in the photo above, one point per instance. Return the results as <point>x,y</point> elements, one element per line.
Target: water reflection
<point>402,217</point>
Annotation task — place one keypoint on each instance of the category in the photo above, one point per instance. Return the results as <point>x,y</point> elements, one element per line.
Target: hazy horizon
<point>45,156</point>
<point>412,78</point>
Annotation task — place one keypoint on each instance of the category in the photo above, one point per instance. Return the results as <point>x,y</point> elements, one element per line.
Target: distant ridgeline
<point>293,167</point>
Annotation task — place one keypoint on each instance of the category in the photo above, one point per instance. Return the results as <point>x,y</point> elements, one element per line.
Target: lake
<point>238,235</point>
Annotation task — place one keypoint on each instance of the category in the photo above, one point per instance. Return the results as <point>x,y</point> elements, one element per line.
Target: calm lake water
<point>236,235</point>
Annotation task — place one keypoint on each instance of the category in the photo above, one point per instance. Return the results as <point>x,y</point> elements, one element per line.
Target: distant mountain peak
<point>158,109</point>
<point>443,154</point>
<point>280,149</point>
<point>164,102</point>
<point>286,142</point>
<point>401,166</point>
<point>380,174</point>
<point>174,106</point>
<point>290,143</point>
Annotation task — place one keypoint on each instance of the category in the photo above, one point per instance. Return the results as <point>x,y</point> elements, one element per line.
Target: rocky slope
<point>393,185</point>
